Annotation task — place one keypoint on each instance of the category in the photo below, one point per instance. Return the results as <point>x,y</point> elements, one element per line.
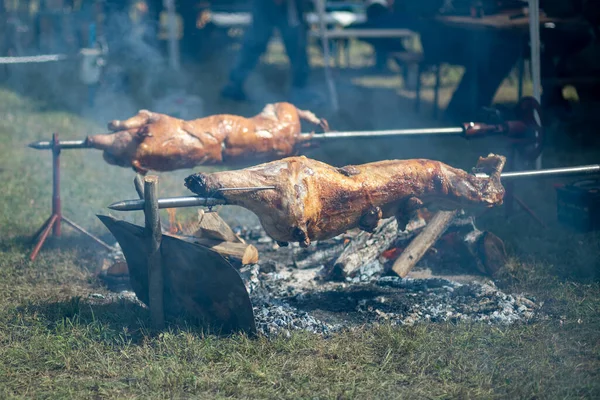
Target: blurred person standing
<point>288,17</point>
<point>383,14</point>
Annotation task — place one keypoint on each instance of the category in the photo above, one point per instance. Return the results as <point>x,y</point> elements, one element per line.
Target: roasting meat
<point>315,201</point>
<point>158,142</point>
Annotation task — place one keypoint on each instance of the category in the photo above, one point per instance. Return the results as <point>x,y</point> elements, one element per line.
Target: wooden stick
<point>211,226</point>
<point>138,182</point>
<point>155,273</point>
<point>420,244</point>
<point>364,248</point>
<point>239,253</point>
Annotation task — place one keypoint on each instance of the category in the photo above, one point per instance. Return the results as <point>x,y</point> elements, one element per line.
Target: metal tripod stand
<point>55,219</point>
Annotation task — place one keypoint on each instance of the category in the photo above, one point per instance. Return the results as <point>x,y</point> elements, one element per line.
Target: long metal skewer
<point>549,173</point>
<point>194,201</point>
<point>63,144</point>
<point>184,201</point>
<point>170,202</point>
<point>83,144</point>
<point>389,132</point>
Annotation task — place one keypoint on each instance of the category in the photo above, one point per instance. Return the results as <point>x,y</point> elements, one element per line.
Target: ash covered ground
<point>287,298</point>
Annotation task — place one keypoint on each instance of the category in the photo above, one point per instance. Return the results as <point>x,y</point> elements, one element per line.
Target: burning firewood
<point>210,226</point>
<point>361,250</point>
<point>423,242</point>
<point>209,230</point>
<point>481,250</point>
<point>174,226</point>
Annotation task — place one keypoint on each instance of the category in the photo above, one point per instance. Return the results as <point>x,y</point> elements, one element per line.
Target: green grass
<point>57,343</point>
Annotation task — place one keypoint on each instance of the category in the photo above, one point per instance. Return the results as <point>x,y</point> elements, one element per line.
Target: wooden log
<point>423,242</point>
<point>490,253</point>
<point>320,255</point>
<point>154,236</point>
<point>211,226</point>
<point>237,253</point>
<point>361,250</point>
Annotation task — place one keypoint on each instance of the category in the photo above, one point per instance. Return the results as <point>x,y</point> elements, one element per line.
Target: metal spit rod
<point>82,144</point>
<point>184,201</point>
<point>63,144</point>
<point>389,132</point>
<point>194,201</point>
<point>170,202</point>
<point>549,173</point>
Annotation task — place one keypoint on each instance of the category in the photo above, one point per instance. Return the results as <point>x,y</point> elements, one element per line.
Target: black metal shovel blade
<point>199,283</point>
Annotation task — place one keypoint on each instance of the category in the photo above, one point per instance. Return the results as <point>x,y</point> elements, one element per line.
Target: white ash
<point>274,316</point>
<point>369,297</point>
<point>272,320</point>
<point>280,306</point>
<point>440,300</point>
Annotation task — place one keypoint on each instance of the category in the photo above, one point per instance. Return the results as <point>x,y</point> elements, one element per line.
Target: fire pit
<point>334,284</point>
<point>288,295</point>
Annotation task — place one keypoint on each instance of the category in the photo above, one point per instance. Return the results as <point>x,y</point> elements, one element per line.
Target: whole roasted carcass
<point>315,201</point>
<point>154,141</point>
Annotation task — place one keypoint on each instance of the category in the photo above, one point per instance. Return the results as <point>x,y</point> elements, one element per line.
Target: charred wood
<point>321,254</point>
<point>417,248</point>
<point>363,249</point>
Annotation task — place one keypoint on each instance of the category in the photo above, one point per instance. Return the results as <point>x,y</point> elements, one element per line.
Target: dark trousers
<point>267,15</point>
<point>380,17</point>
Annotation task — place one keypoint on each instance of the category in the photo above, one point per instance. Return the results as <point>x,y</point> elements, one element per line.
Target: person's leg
<point>294,34</point>
<point>488,59</point>
<point>295,41</point>
<point>254,45</point>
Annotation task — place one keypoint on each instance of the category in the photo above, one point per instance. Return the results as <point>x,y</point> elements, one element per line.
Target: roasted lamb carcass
<point>315,201</point>
<point>158,142</point>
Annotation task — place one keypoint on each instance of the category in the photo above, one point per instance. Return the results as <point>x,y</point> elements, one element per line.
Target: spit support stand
<point>55,219</point>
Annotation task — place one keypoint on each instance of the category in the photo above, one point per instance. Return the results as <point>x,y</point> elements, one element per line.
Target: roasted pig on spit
<point>158,142</point>
<point>315,201</point>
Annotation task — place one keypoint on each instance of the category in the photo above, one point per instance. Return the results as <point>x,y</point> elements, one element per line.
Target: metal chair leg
<point>418,89</point>
<point>436,91</point>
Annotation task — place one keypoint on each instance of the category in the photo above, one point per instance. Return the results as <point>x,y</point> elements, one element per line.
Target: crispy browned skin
<point>315,201</point>
<point>153,141</point>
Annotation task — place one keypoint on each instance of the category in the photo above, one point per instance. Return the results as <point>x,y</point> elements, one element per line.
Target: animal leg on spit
<point>313,119</point>
<point>370,219</point>
<point>141,118</point>
<point>407,212</point>
<point>301,236</point>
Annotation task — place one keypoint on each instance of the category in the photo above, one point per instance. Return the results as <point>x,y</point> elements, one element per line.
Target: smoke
<point>135,74</point>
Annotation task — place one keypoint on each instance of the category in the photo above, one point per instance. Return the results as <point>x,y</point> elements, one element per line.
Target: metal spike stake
<point>63,144</point>
<point>184,201</point>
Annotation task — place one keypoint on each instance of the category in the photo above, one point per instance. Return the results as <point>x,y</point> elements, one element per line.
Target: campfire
<point>349,280</point>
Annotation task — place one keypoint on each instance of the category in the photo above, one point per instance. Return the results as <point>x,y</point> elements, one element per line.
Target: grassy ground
<point>54,343</point>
